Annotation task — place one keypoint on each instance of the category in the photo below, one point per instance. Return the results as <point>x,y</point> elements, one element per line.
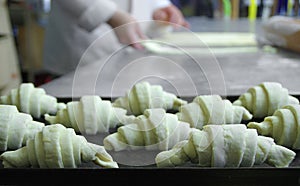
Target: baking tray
<point>143,172</point>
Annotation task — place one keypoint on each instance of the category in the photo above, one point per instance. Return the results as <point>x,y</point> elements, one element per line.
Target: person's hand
<point>172,15</point>
<point>127,29</point>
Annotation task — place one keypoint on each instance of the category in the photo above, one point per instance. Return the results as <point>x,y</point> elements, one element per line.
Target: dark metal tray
<point>140,171</point>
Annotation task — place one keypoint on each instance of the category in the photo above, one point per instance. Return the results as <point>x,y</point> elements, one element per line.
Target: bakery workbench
<point>228,74</point>
<point>224,73</point>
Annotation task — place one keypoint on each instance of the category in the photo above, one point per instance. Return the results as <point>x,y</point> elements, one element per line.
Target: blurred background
<point>28,18</point>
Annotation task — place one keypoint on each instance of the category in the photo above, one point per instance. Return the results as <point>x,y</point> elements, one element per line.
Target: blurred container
<point>282,31</point>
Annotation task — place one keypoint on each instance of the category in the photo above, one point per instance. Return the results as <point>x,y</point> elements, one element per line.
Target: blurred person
<point>74,25</point>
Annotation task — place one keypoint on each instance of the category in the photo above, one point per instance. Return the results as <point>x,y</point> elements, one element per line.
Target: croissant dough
<point>57,147</point>
<point>262,100</point>
<point>283,126</point>
<point>16,128</point>
<point>230,145</point>
<point>145,96</point>
<point>32,100</point>
<point>212,109</point>
<point>90,115</point>
<point>154,130</point>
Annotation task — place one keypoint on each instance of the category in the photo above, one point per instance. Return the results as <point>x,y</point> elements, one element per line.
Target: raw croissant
<point>145,96</point>
<point>16,128</point>
<point>57,147</point>
<point>231,145</point>
<point>264,99</point>
<point>90,115</point>
<point>283,126</point>
<point>31,100</point>
<point>212,109</point>
<point>154,130</point>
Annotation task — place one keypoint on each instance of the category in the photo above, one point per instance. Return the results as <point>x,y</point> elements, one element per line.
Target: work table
<point>185,75</point>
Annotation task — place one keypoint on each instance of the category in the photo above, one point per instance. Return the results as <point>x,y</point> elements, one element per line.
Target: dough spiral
<point>283,126</point>
<point>212,109</point>
<point>262,100</point>
<point>145,96</point>
<point>16,127</point>
<point>226,146</point>
<point>57,147</point>
<point>154,130</point>
<point>32,100</point>
<point>90,115</point>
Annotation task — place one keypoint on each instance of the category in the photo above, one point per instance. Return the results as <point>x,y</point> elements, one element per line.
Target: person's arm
<point>127,29</point>
<point>90,13</point>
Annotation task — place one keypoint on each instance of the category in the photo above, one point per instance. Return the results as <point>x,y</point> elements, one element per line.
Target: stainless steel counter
<point>185,75</point>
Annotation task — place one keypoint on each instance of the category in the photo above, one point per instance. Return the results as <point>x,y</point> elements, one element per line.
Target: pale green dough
<point>65,142</point>
<point>32,100</point>
<point>264,145</point>
<point>90,115</point>
<point>52,149</point>
<point>248,159</point>
<point>232,145</point>
<point>193,114</point>
<point>154,130</point>
<point>211,39</point>
<point>16,128</point>
<point>199,148</point>
<point>288,129</point>
<point>57,147</point>
<point>212,109</point>
<point>176,155</point>
<point>6,115</point>
<point>169,49</point>
<point>203,43</point>
<point>262,100</point>
<point>36,151</point>
<point>144,96</point>
<point>283,126</point>
<point>218,151</point>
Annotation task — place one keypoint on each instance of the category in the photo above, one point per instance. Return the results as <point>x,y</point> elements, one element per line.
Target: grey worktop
<point>185,75</point>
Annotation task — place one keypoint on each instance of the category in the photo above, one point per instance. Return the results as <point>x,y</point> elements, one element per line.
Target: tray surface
<point>140,163</point>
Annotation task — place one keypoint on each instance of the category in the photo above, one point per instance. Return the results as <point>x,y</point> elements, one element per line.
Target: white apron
<point>71,32</point>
